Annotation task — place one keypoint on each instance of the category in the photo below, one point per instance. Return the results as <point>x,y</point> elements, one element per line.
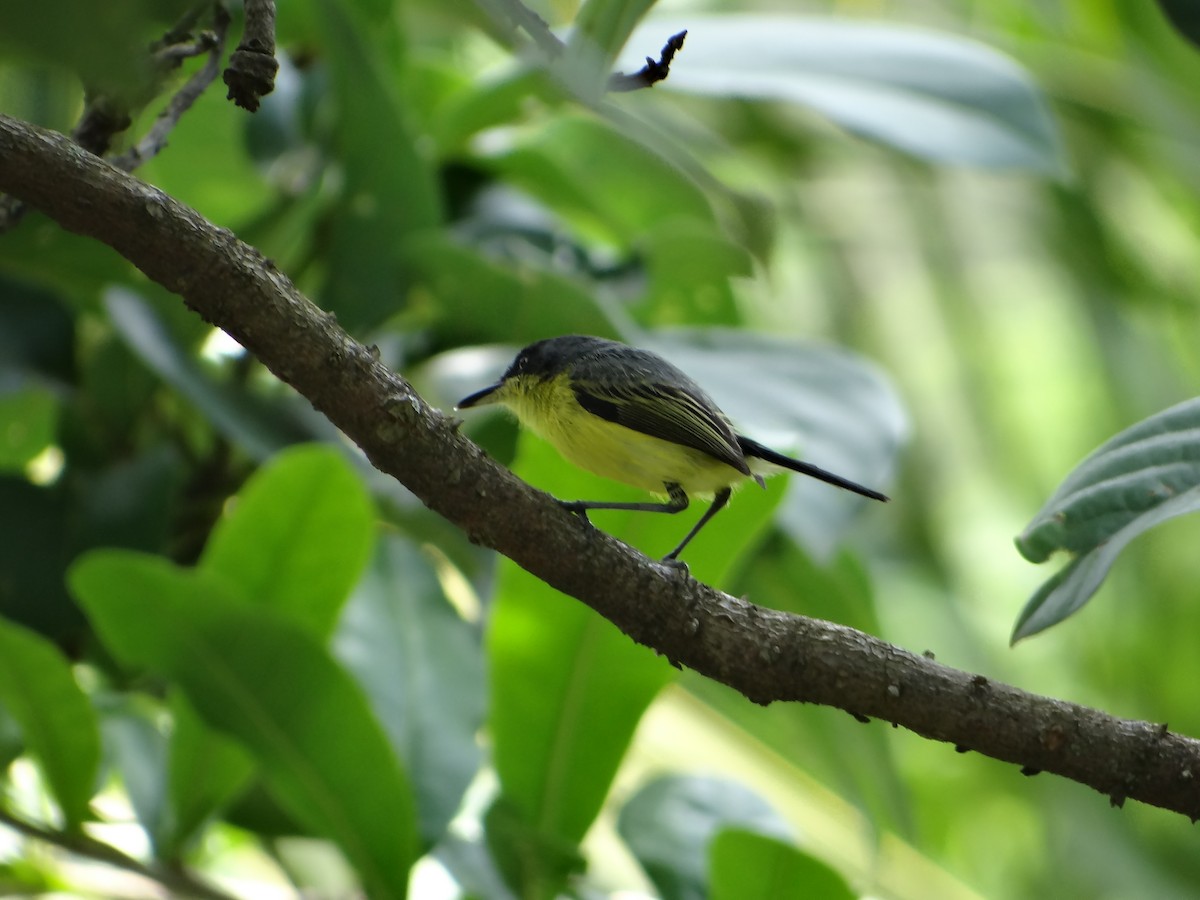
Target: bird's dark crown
<point>551,356</point>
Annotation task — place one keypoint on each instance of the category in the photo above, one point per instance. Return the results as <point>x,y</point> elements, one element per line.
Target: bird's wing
<point>673,414</point>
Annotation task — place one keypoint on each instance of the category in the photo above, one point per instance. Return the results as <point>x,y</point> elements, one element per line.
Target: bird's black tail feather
<point>755,449</point>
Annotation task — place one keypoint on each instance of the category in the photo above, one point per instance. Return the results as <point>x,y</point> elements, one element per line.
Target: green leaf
<point>206,168</point>
<point>12,744</point>
<point>472,865</point>
<point>295,540</point>
<point>670,824</point>
<point>825,405</point>
<point>28,420</point>
<point>481,104</point>
<point>233,414</point>
<point>1185,16</point>
<point>71,265</point>
<point>690,265</point>
<point>297,537</point>
<point>476,299</point>
<point>33,559</point>
<point>109,55</point>
<point>130,502</point>
<point>37,331</point>
<point>269,683</point>
<point>421,666</point>
<point>39,690</point>
<point>205,771</point>
<point>1144,476</point>
<point>942,98</point>
<point>749,866</point>
<point>535,863</point>
<point>859,763</point>
<point>137,748</point>
<point>568,690</point>
<point>607,183</point>
<point>390,190</point>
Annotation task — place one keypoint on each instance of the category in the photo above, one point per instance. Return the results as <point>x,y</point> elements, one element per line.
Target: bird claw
<point>575,507</point>
<point>677,564</point>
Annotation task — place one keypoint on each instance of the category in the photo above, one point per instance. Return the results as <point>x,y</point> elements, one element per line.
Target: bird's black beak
<point>479,398</point>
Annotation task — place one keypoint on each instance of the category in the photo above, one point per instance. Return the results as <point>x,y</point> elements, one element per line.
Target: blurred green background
<point>878,242</point>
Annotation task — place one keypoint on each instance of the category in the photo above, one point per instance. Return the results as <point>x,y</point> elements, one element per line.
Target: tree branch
<point>652,72</point>
<point>210,42</point>
<point>250,75</point>
<point>764,654</point>
<point>179,882</point>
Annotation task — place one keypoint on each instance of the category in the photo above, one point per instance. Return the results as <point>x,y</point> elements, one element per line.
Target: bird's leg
<point>719,501</point>
<point>678,503</point>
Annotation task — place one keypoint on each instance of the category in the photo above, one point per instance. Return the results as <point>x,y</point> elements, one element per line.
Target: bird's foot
<point>576,507</point>
<point>677,564</point>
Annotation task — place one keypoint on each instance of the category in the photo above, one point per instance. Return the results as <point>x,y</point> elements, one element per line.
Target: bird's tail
<point>755,449</point>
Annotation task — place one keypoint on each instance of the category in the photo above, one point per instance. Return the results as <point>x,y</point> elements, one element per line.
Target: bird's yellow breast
<point>550,410</point>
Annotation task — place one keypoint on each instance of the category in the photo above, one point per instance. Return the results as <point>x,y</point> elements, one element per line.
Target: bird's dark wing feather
<point>673,414</point>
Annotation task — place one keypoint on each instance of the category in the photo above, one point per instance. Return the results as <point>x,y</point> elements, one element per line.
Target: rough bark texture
<point>767,655</point>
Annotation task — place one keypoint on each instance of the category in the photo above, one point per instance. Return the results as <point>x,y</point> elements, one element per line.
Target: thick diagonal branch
<point>767,655</point>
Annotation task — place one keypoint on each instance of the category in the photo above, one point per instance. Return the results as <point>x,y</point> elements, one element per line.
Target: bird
<point>627,414</point>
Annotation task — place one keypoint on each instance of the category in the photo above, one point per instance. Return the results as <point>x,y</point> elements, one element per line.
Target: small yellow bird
<point>629,415</point>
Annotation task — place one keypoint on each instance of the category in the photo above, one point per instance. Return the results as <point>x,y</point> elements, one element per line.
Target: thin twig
<point>179,882</point>
<point>651,73</point>
<point>104,117</point>
<point>169,56</point>
<point>156,138</point>
<point>250,75</point>
<point>537,28</point>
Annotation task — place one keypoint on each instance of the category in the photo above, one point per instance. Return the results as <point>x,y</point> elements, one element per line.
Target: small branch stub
<point>250,75</point>
<point>651,73</point>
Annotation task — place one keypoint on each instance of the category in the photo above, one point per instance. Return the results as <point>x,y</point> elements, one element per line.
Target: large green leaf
<point>203,169</point>
<point>28,418</point>
<point>750,866</point>
<point>235,414</point>
<point>670,824</point>
<point>390,190</point>
<point>477,299</point>
<point>857,762</point>
<point>612,184</point>
<point>33,559</point>
<point>37,331</point>
<point>294,540</point>
<point>297,536</point>
<point>205,771</point>
<point>268,682</point>
<point>109,55</point>
<point>1144,476</point>
<point>135,745</point>
<point>1185,16</point>
<point>940,97</point>
<point>71,265</point>
<point>422,668</point>
<point>567,691</point>
<point>38,688</point>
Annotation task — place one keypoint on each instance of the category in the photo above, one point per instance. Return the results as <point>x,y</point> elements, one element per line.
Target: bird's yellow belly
<point>623,454</point>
